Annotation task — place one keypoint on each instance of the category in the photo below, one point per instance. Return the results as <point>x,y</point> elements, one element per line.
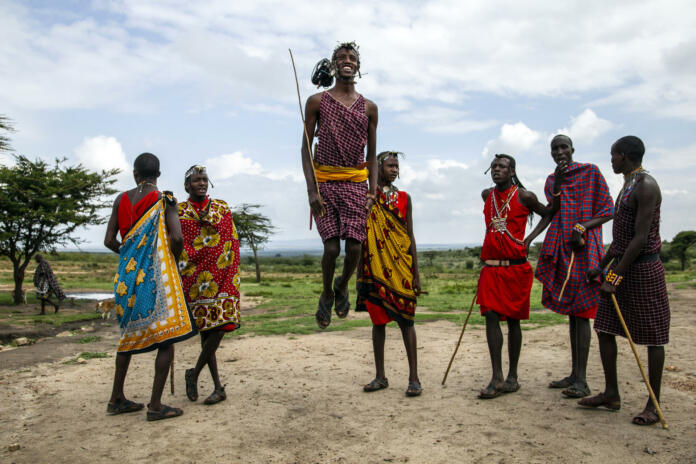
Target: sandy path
<point>299,399</point>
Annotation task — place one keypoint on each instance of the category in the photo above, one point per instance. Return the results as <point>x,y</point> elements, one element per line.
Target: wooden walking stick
<point>171,373</point>
<point>309,144</point>
<point>640,365</point>
<point>570,268</point>
<point>444,379</point>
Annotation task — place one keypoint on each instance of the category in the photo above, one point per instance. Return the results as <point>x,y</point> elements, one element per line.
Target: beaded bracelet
<point>556,194</point>
<point>579,228</point>
<point>372,196</point>
<point>613,278</point>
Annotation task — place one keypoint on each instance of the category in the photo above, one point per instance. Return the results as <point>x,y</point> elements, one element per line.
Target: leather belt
<point>504,262</point>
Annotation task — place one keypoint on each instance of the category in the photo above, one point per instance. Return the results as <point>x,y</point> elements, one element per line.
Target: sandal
<point>191,385</point>
<point>323,314</point>
<point>342,302</point>
<point>565,382</point>
<point>123,406</point>
<point>376,384</point>
<point>216,396</point>
<point>647,417</point>
<point>414,389</point>
<point>510,386</point>
<point>600,400</point>
<point>577,392</point>
<point>490,392</point>
<point>167,412</point>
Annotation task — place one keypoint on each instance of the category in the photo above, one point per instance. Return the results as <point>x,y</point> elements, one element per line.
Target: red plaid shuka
<point>209,264</point>
<point>342,139</point>
<point>584,195</point>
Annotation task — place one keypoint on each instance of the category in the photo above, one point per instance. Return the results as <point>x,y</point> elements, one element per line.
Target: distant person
<point>635,275</point>
<point>345,123</point>
<point>46,284</point>
<point>388,277</point>
<point>573,244</point>
<point>506,278</point>
<point>209,267</point>
<point>149,300</point>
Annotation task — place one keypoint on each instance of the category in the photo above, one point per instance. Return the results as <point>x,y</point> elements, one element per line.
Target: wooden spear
<point>444,379</point>
<point>640,365</point>
<point>309,144</point>
<point>570,269</point>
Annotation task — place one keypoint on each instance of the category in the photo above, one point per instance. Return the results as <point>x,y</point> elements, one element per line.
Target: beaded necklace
<point>630,181</point>
<point>499,215</point>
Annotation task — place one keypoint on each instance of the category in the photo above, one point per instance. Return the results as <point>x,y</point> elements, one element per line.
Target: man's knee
<point>491,317</point>
<point>332,248</point>
<point>352,247</point>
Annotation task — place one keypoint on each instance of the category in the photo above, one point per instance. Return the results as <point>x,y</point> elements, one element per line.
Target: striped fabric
<point>584,195</point>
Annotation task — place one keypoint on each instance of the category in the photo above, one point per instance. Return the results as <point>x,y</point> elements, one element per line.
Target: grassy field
<point>287,295</point>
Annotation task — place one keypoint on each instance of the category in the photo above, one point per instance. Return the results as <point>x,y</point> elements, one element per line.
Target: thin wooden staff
<point>444,379</point>
<point>171,373</point>
<point>640,365</point>
<point>570,268</point>
<point>309,144</point>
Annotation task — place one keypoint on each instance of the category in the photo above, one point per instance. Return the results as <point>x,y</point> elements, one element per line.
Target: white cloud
<point>232,164</point>
<point>441,120</point>
<point>585,127</point>
<point>513,139</point>
<point>104,153</point>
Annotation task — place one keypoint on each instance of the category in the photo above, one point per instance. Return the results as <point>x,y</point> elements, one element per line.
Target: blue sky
<point>211,82</point>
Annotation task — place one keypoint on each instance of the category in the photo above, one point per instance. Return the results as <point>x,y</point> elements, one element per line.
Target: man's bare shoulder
<point>648,186</point>
<point>316,98</point>
<point>486,192</point>
<point>369,104</point>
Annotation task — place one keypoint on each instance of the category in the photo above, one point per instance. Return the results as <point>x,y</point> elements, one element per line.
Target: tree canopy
<point>680,245</point>
<point>42,206</point>
<point>6,126</point>
<point>253,228</point>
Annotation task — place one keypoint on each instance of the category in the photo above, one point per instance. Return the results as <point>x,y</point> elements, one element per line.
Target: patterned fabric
<point>45,282</point>
<point>342,138</point>
<point>505,289</point>
<point>129,213</point>
<point>386,274</point>
<point>584,195</point>
<point>642,295</point>
<point>149,299</point>
<point>209,264</point>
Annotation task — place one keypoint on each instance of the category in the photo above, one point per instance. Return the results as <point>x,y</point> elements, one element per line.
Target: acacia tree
<point>5,125</point>
<point>681,244</point>
<point>253,228</point>
<point>41,207</point>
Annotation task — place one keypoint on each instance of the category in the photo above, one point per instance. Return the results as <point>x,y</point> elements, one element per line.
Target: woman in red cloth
<point>209,267</point>
<point>388,279</point>
<point>506,277</point>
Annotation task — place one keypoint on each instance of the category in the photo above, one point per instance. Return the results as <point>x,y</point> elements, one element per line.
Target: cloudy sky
<point>211,82</point>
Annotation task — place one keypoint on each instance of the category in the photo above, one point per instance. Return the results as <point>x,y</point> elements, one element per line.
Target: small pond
<point>90,296</point>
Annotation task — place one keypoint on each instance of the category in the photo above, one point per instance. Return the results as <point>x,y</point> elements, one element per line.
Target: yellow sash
<point>339,173</point>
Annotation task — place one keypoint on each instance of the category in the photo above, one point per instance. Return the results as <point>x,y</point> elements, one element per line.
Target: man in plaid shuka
<point>573,244</point>
<point>636,277</point>
<point>339,197</point>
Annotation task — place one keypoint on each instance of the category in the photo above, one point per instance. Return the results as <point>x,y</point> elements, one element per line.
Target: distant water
<point>90,296</point>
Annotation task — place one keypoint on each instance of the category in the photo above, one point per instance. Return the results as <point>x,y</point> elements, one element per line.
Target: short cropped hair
<point>632,147</point>
<point>147,165</point>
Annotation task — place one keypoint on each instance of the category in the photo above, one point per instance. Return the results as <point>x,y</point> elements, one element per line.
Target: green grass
<point>90,339</point>
<point>87,355</point>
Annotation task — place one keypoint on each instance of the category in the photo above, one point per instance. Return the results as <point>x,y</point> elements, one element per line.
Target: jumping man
<point>345,123</point>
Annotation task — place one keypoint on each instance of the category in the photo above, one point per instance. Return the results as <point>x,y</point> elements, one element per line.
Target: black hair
<point>632,147</point>
<point>346,46</point>
<point>322,76</point>
<point>147,166</point>
<point>559,136</point>
<point>515,179</point>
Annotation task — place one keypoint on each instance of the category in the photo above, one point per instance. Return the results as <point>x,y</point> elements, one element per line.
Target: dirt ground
<point>298,399</point>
